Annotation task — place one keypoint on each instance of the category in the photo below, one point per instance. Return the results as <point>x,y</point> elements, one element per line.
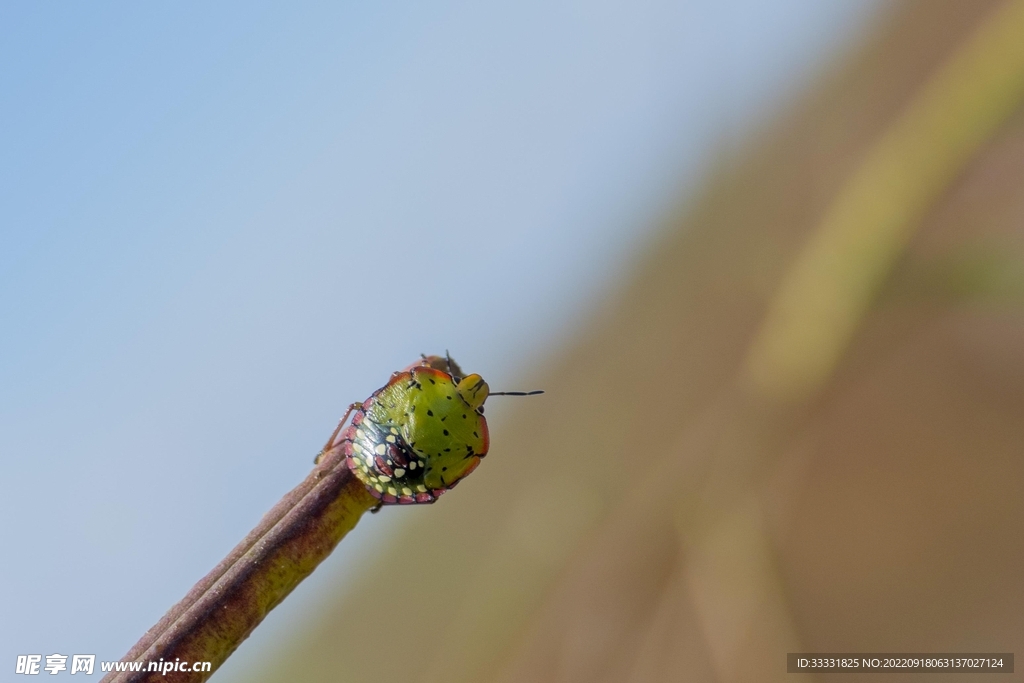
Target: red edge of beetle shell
<point>487,438</point>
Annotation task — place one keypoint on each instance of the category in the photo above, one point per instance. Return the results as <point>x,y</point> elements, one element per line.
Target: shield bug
<point>420,434</point>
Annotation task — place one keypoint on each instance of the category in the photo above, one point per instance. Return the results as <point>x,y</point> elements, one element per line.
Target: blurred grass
<point>986,274</point>
<point>653,520</point>
<point>825,294</point>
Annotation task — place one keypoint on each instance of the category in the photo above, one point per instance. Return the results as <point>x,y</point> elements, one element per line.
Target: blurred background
<point>764,258</point>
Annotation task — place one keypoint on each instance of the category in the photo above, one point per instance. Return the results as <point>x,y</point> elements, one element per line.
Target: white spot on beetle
<point>380,449</point>
<point>399,472</point>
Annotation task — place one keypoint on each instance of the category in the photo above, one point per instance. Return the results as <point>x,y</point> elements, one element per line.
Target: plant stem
<point>228,603</point>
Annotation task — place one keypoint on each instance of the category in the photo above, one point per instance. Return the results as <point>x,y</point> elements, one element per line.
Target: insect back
<point>418,436</point>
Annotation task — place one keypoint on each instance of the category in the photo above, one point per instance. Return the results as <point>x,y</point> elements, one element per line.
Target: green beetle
<point>420,434</point>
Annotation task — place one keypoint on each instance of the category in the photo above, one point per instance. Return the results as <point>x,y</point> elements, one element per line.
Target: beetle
<point>420,434</point>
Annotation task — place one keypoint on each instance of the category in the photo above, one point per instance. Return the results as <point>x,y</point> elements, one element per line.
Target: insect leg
<point>334,435</point>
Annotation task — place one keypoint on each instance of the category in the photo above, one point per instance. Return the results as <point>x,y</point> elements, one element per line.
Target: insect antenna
<point>516,393</point>
<point>451,371</point>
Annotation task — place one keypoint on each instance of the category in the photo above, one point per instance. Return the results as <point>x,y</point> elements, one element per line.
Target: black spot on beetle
<point>447,450</point>
<point>430,413</point>
<point>449,398</point>
<point>463,417</point>
<point>444,418</point>
<point>444,469</point>
<point>432,382</point>
<point>446,432</point>
<point>476,435</point>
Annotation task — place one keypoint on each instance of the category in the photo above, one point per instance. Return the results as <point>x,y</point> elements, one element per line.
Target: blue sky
<point>220,224</point>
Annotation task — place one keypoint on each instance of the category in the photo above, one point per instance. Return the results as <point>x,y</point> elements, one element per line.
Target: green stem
<point>228,603</point>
